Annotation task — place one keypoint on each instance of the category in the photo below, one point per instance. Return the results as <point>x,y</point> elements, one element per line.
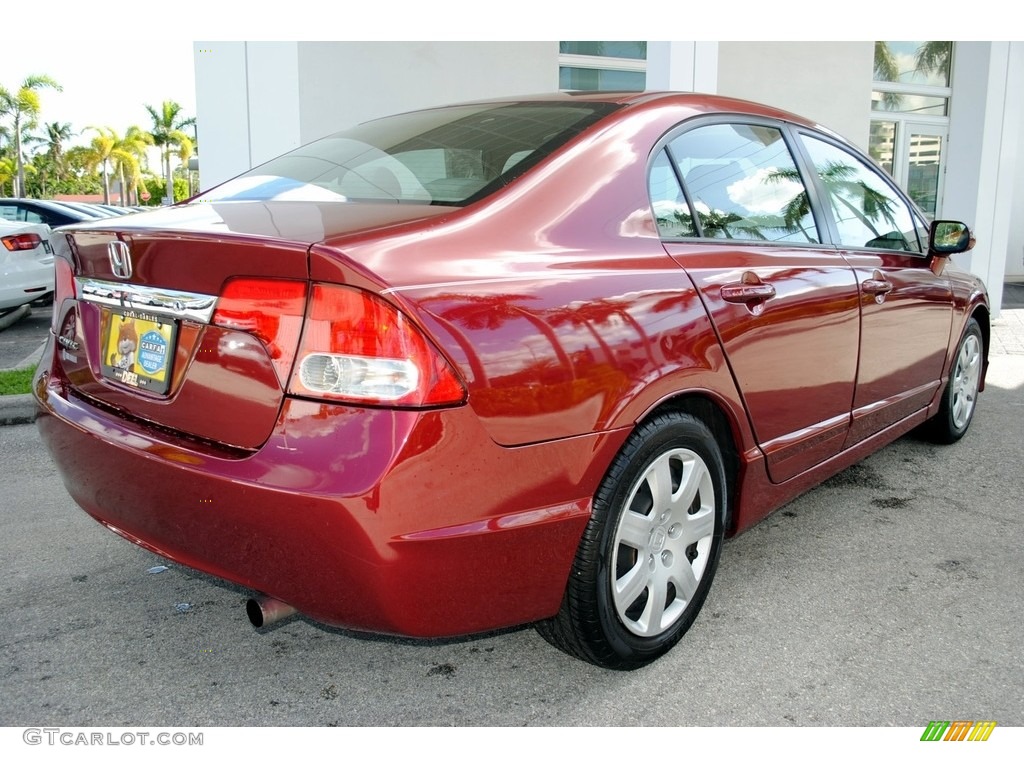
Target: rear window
<point>448,156</point>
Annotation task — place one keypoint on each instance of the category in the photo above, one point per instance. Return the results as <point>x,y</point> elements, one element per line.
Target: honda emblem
<point>120,259</point>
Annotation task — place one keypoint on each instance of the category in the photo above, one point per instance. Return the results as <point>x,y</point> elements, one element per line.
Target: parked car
<point>90,209</point>
<point>26,264</point>
<point>505,362</point>
<point>49,212</point>
<point>116,210</point>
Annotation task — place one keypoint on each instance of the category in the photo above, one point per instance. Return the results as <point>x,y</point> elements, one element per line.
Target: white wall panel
<point>826,82</point>
<point>342,84</point>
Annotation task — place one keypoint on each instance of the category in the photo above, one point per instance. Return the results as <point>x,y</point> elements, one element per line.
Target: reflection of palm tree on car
<point>869,206</point>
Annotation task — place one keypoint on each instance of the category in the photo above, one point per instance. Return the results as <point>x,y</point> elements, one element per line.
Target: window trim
<point>579,61</point>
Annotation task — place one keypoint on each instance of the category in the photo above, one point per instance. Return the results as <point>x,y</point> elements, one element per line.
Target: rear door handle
<point>741,293</point>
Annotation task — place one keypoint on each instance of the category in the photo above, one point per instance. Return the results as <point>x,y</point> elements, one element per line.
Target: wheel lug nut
<point>666,558</point>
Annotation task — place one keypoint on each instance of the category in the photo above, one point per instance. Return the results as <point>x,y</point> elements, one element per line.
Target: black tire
<point>647,557</point>
<point>960,398</point>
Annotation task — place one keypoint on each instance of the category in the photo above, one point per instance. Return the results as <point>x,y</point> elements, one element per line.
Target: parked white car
<point>26,263</point>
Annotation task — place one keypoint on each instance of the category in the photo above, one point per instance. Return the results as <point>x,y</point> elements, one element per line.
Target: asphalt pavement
<point>888,596</point>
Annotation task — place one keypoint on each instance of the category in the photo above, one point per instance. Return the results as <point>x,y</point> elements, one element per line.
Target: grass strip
<point>16,382</point>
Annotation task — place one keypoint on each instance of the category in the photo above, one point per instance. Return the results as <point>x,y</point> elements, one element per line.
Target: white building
<point>946,120</point>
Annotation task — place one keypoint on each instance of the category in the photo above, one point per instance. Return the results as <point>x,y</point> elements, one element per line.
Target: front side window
<point>868,211</point>
<point>447,156</point>
<point>744,184</point>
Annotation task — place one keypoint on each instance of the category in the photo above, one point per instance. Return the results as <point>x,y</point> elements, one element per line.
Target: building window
<point>593,65</point>
<point>910,115</point>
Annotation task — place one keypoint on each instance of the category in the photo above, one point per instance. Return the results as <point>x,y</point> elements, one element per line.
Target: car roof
<point>699,103</point>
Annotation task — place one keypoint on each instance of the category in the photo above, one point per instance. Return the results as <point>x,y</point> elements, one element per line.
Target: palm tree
<point>22,107</point>
<point>129,164</point>
<point>57,135</point>
<point>50,164</point>
<point>8,173</point>
<point>107,151</point>
<point>887,71</point>
<point>168,134</point>
<point>932,57</point>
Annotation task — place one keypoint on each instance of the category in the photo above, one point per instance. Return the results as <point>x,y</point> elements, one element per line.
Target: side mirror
<point>948,237</point>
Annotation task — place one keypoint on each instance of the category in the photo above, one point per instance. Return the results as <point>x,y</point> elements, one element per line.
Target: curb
<point>17,409</point>
<point>20,409</point>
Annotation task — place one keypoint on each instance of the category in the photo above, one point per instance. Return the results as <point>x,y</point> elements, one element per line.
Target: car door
<point>784,305</point>
<point>906,309</point>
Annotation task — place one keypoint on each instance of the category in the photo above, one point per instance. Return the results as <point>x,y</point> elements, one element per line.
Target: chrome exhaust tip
<point>264,610</point>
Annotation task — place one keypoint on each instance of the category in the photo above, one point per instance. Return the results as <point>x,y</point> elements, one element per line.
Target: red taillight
<point>357,347</point>
<point>270,310</point>
<point>23,242</point>
<point>63,286</point>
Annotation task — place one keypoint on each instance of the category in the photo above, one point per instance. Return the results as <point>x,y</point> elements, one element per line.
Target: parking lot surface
<point>888,596</point>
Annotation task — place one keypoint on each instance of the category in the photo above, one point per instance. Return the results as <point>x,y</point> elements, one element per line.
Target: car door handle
<point>741,293</point>
<point>876,287</point>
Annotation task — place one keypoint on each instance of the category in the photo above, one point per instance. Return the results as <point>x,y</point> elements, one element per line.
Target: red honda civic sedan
<point>522,361</point>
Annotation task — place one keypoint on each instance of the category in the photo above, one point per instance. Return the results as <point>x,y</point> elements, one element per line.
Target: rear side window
<point>16,213</point>
<point>743,184</point>
<point>448,156</point>
<point>671,212</point>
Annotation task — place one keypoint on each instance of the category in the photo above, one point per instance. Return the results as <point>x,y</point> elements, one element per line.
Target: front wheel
<point>647,558</point>
<point>961,394</point>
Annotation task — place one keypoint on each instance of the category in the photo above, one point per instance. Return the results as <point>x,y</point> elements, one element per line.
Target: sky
<point>105,84</point>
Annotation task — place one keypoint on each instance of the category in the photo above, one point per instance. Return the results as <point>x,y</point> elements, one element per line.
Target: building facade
<point>946,119</point>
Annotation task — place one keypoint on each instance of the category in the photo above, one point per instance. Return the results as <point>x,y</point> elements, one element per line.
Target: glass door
<point>913,154</point>
<point>922,152</point>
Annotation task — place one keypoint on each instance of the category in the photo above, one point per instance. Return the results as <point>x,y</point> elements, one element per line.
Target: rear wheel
<point>649,553</point>
<point>961,394</point>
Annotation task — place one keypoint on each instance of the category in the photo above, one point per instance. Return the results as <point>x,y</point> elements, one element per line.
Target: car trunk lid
<point>209,302</point>
<point>144,336</point>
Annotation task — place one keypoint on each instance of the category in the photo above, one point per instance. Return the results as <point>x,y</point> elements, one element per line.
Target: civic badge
<point>120,259</point>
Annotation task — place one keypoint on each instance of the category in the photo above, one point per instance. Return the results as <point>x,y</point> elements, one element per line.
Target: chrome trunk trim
<point>183,305</point>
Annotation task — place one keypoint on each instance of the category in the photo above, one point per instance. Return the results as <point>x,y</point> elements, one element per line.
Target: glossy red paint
<point>343,508</point>
<point>569,321</point>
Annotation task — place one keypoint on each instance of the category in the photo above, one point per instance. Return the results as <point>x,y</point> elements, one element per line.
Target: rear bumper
<point>402,522</point>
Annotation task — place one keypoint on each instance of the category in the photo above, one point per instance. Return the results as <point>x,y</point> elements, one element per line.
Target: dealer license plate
<point>138,349</point>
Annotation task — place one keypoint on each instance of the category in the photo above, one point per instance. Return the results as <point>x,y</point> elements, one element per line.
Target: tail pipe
<point>263,610</point>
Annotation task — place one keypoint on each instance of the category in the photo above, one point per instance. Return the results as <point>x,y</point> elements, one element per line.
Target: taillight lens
<point>271,310</point>
<point>357,347</point>
<point>23,242</point>
<point>63,286</point>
